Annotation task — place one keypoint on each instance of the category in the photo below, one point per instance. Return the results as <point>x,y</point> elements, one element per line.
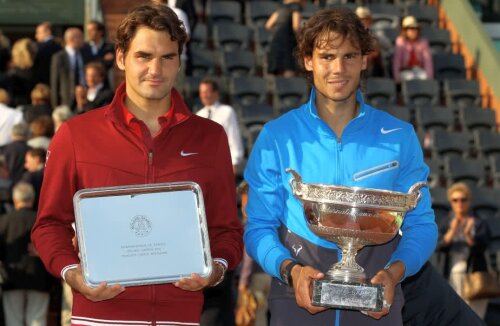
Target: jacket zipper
<point>150,169</point>
<point>150,179</point>
<point>339,157</point>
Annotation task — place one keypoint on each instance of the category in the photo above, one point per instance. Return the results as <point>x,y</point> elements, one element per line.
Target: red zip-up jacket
<point>96,150</point>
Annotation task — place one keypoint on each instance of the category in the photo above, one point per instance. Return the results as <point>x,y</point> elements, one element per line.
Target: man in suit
<point>26,292</point>
<point>15,152</point>
<point>66,70</point>
<point>97,93</point>
<point>47,47</point>
<point>97,49</point>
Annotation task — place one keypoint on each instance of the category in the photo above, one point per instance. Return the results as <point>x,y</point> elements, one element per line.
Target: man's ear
<point>120,59</point>
<point>308,63</point>
<point>364,64</point>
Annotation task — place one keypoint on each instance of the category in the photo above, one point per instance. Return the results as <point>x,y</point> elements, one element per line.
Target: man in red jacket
<point>146,135</point>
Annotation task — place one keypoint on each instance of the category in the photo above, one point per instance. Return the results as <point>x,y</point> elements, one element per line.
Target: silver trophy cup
<point>352,218</point>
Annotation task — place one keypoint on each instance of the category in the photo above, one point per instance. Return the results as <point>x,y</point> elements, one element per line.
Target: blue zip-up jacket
<point>376,150</point>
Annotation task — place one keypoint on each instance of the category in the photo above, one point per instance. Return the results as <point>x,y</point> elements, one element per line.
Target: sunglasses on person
<point>460,199</point>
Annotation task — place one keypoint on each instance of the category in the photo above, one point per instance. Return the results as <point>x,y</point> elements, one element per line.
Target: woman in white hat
<point>412,57</point>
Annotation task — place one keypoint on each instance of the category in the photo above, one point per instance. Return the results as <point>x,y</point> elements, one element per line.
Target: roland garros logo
<point>140,225</point>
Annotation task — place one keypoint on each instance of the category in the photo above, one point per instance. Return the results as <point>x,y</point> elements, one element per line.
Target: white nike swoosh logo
<point>382,130</point>
<point>184,154</point>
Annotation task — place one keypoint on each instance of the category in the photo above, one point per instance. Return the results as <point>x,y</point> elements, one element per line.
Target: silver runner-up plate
<point>142,234</point>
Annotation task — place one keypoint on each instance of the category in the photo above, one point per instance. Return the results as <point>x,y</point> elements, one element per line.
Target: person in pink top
<point>412,56</point>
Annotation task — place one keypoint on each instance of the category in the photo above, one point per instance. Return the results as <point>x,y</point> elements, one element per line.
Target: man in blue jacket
<point>334,138</point>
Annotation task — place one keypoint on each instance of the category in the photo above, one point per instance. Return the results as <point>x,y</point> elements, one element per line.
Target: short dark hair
<point>97,66</point>
<point>153,16</point>
<point>37,152</point>
<point>99,25</point>
<point>211,82</point>
<point>342,21</point>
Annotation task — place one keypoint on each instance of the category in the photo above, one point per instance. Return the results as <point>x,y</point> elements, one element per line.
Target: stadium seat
<point>495,170</point>
<point>440,203</point>
<point>385,15</point>
<point>450,144</point>
<point>238,63</point>
<point>247,90</point>
<point>223,11</point>
<point>257,12</point>
<point>203,62</point>
<point>468,170</point>
<point>289,92</point>
<point>432,118</point>
<point>435,165</point>
<point>231,36</point>
<point>420,92</point>
<point>487,143</point>
<point>380,91</point>
<point>461,93</point>
<point>199,37</point>
<point>308,10</point>
<point>485,202</point>
<point>257,113</point>
<point>448,66</point>
<point>476,118</point>
<point>439,39</point>
<point>253,132</point>
<point>425,14</point>
<point>400,112</point>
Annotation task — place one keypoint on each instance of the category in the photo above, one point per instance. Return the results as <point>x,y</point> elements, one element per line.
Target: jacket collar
<point>354,125</point>
<point>181,111</point>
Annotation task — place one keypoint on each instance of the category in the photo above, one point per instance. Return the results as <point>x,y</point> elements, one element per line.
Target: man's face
<point>40,33</point>
<point>93,33</point>
<point>207,94</point>
<point>92,77</point>
<point>336,68</point>
<point>75,39</point>
<point>150,64</point>
<point>31,163</point>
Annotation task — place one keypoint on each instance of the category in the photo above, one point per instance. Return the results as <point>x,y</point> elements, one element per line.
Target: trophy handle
<point>415,190</point>
<point>295,182</point>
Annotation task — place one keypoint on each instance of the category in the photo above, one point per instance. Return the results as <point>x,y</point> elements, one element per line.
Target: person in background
<point>26,293</point>
<point>23,75</point>
<point>40,103</point>
<point>61,114</point>
<point>375,66</point>
<point>35,164</point>
<point>47,47</point>
<point>254,284</point>
<point>96,48</point>
<point>464,239</point>
<point>8,118</point>
<point>15,152</point>
<point>66,69</point>
<point>146,135</point>
<point>412,56</point>
<point>284,23</point>
<point>222,114</point>
<point>41,132</point>
<point>96,93</point>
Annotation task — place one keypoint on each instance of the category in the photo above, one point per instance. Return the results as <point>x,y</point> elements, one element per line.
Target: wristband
<point>287,273</point>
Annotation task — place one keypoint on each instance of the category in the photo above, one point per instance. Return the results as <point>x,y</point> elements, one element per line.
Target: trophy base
<point>354,296</point>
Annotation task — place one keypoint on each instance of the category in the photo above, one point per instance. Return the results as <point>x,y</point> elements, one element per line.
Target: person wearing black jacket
<point>25,296</point>
<point>47,47</point>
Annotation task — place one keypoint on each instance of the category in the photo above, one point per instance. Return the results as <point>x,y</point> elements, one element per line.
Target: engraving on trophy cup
<point>352,218</point>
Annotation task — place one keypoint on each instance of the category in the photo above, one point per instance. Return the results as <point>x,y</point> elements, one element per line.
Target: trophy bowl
<point>352,217</point>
